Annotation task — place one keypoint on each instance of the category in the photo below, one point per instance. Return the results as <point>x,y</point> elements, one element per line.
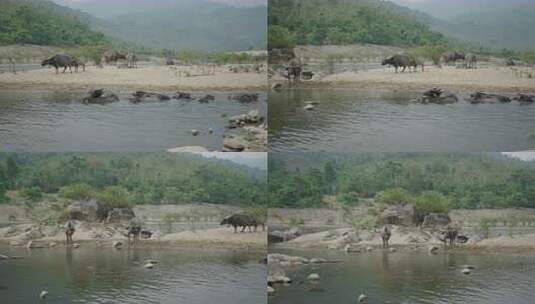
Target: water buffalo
<point>77,63</point>
<point>385,235</point>
<point>452,57</point>
<point>480,97</point>
<point>59,61</point>
<point>131,61</point>
<point>113,56</point>
<point>415,63</point>
<point>398,61</point>
<point>293,73</point>
<point>471,61</point>
<point>69,231</point>
<point>240,220</point>
<point>450,235</point>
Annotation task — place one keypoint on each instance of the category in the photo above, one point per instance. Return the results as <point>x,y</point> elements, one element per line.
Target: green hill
<point>44,23</point>
<point>347,22</point>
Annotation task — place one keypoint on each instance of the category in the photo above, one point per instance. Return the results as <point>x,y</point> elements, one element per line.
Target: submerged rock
<point>313,277</point>
<point>149,265</point>
<point>100,96</point>
<point>363,299</point>
<point>466,271</point>
<point>309,107</point>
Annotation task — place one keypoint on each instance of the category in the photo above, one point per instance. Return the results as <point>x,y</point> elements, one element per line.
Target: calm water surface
<point>104,275</point>
<point>417,278</point>
<point>55,121</point>
<point>385,120</point>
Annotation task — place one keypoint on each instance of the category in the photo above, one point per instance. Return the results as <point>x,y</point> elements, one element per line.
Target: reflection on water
<point>104,275</point>
<point>54,121</point>
<point>385,120</point>
<point>417,278</point>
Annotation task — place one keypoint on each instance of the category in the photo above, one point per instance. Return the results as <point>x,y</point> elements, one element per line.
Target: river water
<point>105,275</point>
<point>372,119</point>
<point>417,278</point>
<point>55,121</point>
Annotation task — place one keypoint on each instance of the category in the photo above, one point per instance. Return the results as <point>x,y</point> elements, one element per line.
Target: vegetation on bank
<point>121,180</point>
<point>317,22</point>
<point>22,22</point>
<point>432,182</point>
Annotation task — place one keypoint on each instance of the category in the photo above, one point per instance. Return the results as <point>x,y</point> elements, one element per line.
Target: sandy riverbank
<point>146,77</point>
<point>487,79</point>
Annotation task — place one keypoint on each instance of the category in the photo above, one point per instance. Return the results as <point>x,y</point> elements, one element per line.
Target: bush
<point>431,202</point>
<point>80,191</point>
<point>279,38</point>
<point>396,196</point>
<point>32,194</point>
<point>114,197</point>
<point>429,52</point>
<point>258,213</point>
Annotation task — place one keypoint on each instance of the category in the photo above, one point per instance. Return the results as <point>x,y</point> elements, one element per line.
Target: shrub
<point>114,197</point>
<point>80,191</point>
<point>395,196</point>
<point>431,202</point>
<point>279,38</point>
<point>32,194</point>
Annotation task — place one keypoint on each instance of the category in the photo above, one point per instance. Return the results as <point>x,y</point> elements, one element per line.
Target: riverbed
<point>105,275</point>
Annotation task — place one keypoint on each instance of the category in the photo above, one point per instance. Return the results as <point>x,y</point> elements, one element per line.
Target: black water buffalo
<point>77,63</point>
<point>398,61</point>
<point>240,220</point>
<point>113,56</point>
<point>293,73</point>
<point>69,231</point>
<point>452,57</point>
<point>59,61</point>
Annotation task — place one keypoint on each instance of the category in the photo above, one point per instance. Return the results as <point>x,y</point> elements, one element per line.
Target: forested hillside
<point>132,178</point>
<point>45,23</point>
<point>346,22</point>
<point>456,180</point>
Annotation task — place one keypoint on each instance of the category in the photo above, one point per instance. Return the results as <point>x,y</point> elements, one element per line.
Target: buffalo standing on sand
<point>450,57</point>
<point>241,220</point>
<point>113,56</point>
<point>60,61</point>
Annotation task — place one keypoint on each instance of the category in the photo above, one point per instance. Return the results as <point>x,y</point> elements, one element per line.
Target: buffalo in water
<point>133,231</point>
<point>242,220</point>
<point>385,235</point>
<point>450,57</point>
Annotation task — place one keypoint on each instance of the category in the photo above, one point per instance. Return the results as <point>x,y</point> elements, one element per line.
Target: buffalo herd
<point>69,62</point>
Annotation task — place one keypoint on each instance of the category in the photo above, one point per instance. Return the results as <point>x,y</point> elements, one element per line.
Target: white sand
<point>219,236</point>
<point>145,77</point>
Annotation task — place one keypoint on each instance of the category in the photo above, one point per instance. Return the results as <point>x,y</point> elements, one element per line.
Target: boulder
<point>313,277</point>
<point>403,215</point>
<point>90,210</point>
<point>100,96</point>
<point>232,145</point>
<point>253,117</point>
<point>436,219</point>
<point>432,249</point>
<point>117,245</point>
<point>363,299</point>
<point>117,215</point>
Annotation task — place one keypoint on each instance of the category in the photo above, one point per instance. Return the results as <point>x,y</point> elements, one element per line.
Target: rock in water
<point>149,265</point>
<point>117,245</point>
<point>194,132</point>
<point>432,249</point>
<point>270,289</point>
<point>392,250</point>
<point>232,145</point>
<point>363,299</point>
<point>309,107</point>
<point>75,245</point>
<point>466,271</point>
<point>313,277</point>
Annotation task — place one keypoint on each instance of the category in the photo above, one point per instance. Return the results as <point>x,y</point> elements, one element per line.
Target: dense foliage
<point>125,179</point>
<point>30,23</point>
<point>455,180</point>
<point>319,22</point>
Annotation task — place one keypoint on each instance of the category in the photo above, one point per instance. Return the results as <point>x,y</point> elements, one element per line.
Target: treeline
<point>33,22</point>
<point>127,179</point>
<point>318,22</point>
<point>449,180</point>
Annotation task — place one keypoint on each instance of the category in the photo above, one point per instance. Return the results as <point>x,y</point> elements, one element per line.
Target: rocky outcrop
<point>253,117</point>
<point>90,210</point>
<point>117,215</point>
<point>100,96</point>
<point>141,96</point>
<point>403,215</point>
<point>436,220</point>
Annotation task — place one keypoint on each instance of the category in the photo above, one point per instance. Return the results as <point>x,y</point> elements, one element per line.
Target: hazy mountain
<point>180,24</point>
